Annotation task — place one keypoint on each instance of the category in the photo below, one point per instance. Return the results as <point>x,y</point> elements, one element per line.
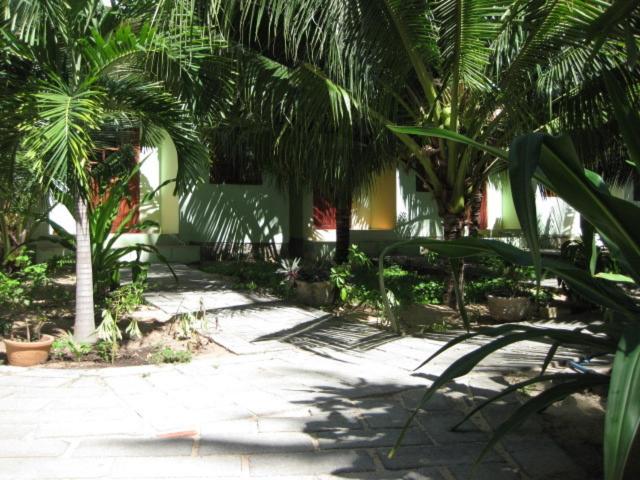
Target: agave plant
<point>107,258</point>
<point>553,162</point>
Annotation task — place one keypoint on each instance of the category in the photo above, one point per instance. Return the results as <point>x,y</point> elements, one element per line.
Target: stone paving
<point>304,396</point>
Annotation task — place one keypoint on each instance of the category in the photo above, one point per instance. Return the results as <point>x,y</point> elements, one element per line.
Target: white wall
<point>235,214</point>
<point>417,213</point>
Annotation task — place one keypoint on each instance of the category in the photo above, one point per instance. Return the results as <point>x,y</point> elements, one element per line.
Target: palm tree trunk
<point>343,228</point>
<point>453,225</point>
<point>85,325</point>
<point>475,209</point>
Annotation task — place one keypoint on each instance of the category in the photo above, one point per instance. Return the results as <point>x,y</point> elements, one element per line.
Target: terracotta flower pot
<point>26,354</point>
<point>508,309</point>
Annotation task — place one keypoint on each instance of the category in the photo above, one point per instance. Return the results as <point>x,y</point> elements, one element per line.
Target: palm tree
<point>488,69</point>
<point>88,67</point>
<point>307,136</point>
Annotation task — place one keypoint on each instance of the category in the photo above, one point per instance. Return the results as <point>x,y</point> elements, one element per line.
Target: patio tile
<point>341,461</point>
<point>276,411</point>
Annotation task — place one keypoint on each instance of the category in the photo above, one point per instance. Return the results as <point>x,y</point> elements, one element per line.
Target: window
<point>324,213</point>
<point>112,162</point>
<point>235,170</point>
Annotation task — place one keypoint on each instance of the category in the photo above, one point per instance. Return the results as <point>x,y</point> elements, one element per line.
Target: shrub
<point>66,346</point>
<point>169,355</point>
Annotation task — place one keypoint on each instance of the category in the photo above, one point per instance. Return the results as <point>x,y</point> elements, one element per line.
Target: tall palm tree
<point>88,67</point>
<point>488,69</point>
<point>307,136</point>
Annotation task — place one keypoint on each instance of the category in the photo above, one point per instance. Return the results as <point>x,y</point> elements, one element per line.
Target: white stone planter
<point>508,309</point>
<point>314,294</point>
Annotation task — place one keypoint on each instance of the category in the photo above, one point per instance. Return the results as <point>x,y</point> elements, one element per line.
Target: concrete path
<point>305,396</point>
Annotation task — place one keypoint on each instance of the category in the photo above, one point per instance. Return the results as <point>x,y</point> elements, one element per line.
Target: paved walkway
<point>305,396</point>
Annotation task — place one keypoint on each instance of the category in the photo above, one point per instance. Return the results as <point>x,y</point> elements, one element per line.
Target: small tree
<point>87,68</point>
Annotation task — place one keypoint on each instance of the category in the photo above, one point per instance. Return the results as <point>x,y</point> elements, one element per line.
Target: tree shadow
<point>231,221</point>
<point>333,334</point>
<point>348,428</point>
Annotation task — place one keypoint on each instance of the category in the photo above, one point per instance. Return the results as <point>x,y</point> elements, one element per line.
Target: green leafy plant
<point>185,326</point>
<point>553,162</point>
<point>12,293</point>
<point>21,291</point>
<point>251,275</point>
<point>341,276</point>
<point>169,355</point>
<point>597,260</point>
<point>125,299</point>
<point>107,258</point>
<point>65,346</point>
<point>104,350</point>
<point>429,293</point>
<point>109,333</point>
<point>5,327</point>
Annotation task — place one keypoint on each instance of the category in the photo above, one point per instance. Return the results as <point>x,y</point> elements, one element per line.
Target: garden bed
<point>161,340</point>
<point>418,285</point>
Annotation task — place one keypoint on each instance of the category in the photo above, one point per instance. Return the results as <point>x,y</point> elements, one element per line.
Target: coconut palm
<point>480,68</point>
<point>486,69</point>
<point>307,136</point>
<point>87,68</point>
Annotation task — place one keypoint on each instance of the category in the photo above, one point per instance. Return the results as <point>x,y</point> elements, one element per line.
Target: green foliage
<point>597,259</point>
<point>357,283</point>
<point>107,258</point>
<point>66,346</point>
<point>5,327</point>
<point>427,293</point>
<point>185,326</point>
<point>19,288</point>
<point>59,264</point>
<point>169,355</point>
<point>110,335</point>
<point>553,161</point>
<point>252,276</point>
<point>20,192</point>
<point>105,351</point>
<point>12,294</point>
<point>509,282</point>
<point>118,304</point>
<point>125,299</point>
<point>342,275</point>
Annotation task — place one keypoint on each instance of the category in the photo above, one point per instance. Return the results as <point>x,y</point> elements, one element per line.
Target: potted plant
<point>25,345</point>
<point>309,285</point>
<point>313,289</point>
<point>30,349</point>
<point>509,301</point>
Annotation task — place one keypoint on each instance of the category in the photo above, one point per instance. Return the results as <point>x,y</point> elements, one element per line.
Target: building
<point>242,212</point>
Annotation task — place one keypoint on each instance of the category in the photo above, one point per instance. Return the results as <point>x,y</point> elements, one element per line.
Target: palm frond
<point>59,139</point>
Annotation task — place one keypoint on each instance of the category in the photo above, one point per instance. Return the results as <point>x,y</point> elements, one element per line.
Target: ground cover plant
<point>250,275</point>
<point>24,297</point>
